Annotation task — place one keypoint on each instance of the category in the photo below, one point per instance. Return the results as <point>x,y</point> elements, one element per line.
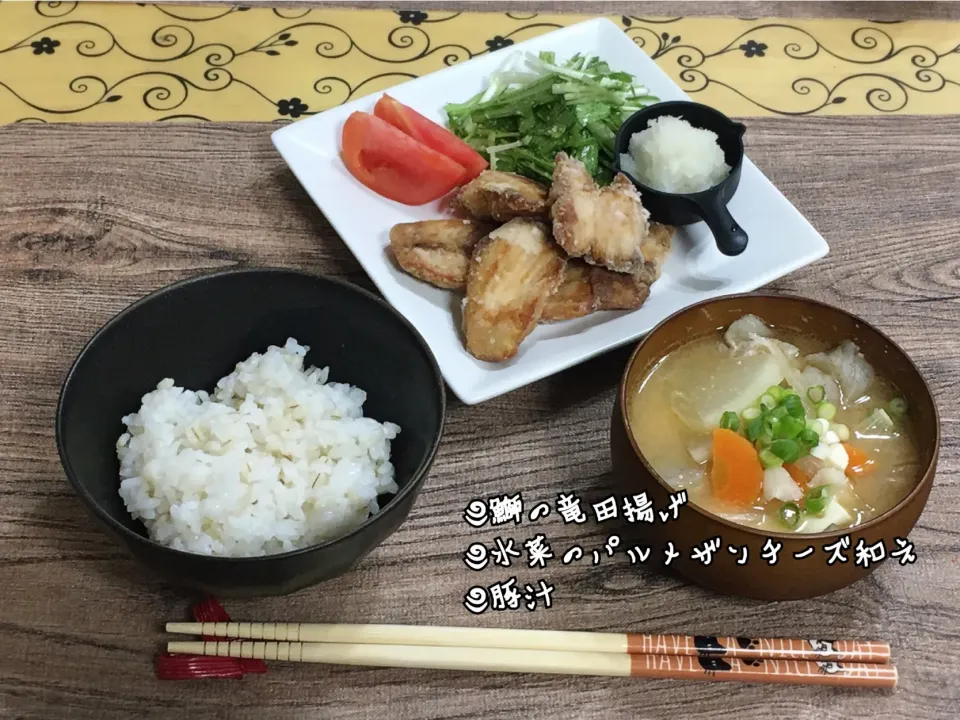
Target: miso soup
<point>775,430</point>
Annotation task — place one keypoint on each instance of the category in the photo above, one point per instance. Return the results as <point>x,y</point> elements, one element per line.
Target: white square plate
<point>781,239</point>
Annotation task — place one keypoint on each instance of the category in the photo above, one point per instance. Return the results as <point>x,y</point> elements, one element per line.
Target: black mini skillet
<point>710,205</point>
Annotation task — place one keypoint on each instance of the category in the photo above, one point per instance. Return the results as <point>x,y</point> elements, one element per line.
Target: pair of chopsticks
<point>682,657</point>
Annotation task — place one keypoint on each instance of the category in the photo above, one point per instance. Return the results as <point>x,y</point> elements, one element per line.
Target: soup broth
<point>721,417</point>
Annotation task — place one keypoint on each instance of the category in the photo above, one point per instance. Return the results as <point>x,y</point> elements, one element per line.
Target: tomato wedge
<point>430,134</point>
<point>395,165</point>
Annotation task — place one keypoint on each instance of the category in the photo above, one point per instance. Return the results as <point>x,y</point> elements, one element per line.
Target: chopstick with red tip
<point>197,667</point>
<point>556,640</point>
<point>612,664</point>
<point>211,611</point>
<point>200,666</point>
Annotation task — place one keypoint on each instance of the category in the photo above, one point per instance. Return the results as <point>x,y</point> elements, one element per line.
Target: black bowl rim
<point>618,146</point>
<point>416,479</point>
<point>833,534</point>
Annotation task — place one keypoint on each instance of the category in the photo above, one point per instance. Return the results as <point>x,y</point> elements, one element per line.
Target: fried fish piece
<point>587,288</point>
<point>512,273</point>
<point>574,298</point>
<point>618,291</point>
<point>606,226</point>
<point>655,250</point>
<point>437,251</point>
<point>502,196</point>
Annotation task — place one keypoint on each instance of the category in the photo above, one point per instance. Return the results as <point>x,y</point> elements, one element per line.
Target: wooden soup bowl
<point>789,578</point>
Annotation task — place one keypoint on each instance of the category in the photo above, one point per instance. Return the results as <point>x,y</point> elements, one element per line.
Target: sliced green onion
<point>813,426</point>
<point>787,450</point>
<point>826,410</point>
<point>779,412</point>
<point>790,514</point>
<point>842,431</point>
<point>817,499</point>
<point>897,406</point>
<point>730,421</point>
<point>770,459</point>
<point>816,394</point>
<point>794,406</point>
<point>768,401</point>
<point>789,428</point>
<point>750,414</point>
<point>808,438</point>
<point>770,425</point>
<point>775,391</point>
<point>754,428</point>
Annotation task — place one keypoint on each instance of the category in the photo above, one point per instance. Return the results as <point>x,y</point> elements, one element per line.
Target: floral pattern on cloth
<point>110,62</point>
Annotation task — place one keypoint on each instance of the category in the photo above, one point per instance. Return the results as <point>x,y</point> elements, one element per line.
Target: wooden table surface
<point>92,218</point>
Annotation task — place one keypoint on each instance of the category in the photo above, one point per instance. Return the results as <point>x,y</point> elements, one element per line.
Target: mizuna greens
<point>527,115</point>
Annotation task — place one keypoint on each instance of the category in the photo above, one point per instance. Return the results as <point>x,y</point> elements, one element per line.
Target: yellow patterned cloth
<point>95,62</point>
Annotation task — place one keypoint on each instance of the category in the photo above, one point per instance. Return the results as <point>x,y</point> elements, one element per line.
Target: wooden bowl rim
<point>926,478</point>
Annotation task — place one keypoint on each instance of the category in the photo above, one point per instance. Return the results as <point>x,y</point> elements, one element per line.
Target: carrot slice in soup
<point>798,475</point>
<point>737,475</point>
<point>859,463</point>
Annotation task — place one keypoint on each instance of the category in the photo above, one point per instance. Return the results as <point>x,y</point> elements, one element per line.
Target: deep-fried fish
<point>512,273</point>
<point>606,226</point>
<point>437,251</point>
<point>503,196</point>
<point>618,291</point>
<point>587,288</point>
<point>656,247</point>
<point>574,298</point>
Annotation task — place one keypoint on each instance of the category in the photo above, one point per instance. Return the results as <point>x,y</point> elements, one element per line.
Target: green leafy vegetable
<point>754,428</point>
<point>789,428</point>
<point>768,401</point>
<point>776,391</point>
<point>790,514</point>
<point>816,394</point>
<point>794,406</point>
<point>777,424</point>
<point>817,499</point>
<point>826,410</point>
<point>730,421</point>
<point>525,117</point>
<point>770,459</point>
<point>786,450</point>
<point>779,412</point>
<point>808,438</point>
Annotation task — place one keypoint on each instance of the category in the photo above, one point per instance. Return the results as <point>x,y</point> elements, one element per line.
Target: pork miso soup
<point>775,430</point>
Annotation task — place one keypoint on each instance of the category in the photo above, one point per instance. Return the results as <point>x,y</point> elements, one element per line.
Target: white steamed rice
<point>276,459</point>
<point>673,156</point>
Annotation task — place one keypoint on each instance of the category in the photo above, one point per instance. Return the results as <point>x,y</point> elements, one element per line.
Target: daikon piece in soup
<point>775,430</point>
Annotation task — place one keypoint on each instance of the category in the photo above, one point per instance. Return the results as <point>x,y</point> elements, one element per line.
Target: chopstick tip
<point>181,647</point>
<point>183,628</point>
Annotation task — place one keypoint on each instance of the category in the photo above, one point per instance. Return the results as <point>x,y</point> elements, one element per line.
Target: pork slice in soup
<point>775,430</point>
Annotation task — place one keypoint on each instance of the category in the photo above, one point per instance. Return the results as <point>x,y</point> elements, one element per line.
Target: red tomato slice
<point>395,165</point>
<point>430,134</point>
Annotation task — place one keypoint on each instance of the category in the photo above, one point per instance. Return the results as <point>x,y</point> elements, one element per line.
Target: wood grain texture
<point>92,218</point>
